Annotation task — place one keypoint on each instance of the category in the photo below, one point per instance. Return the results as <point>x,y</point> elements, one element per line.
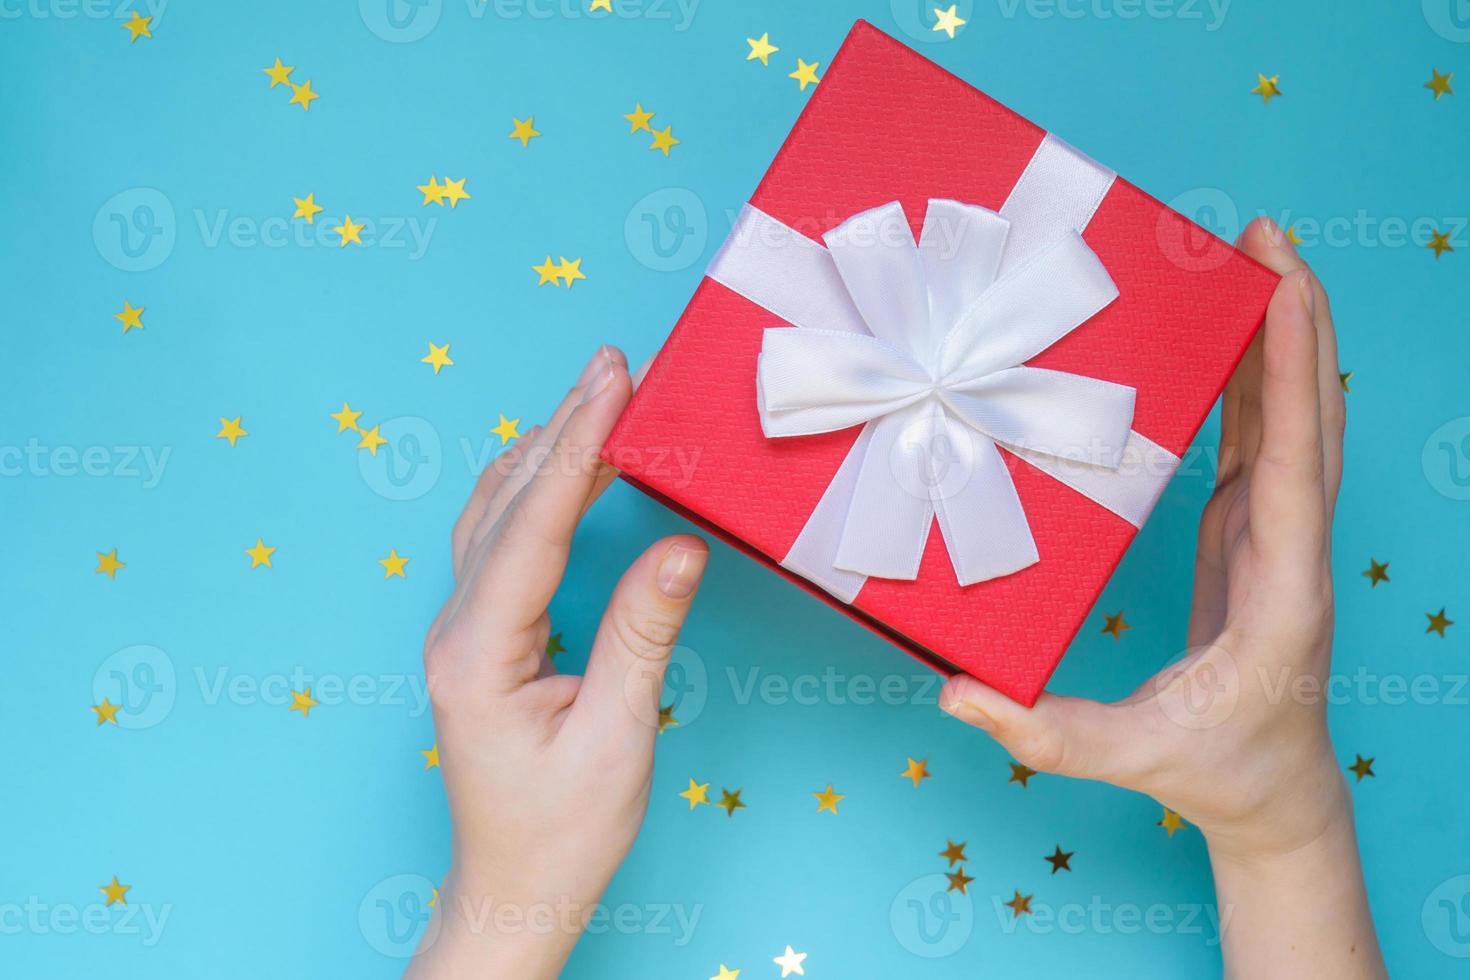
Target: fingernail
<point>967,712</point>
<point>1273,232</point>
<point>599,384</point>
<point>1309,295</point>
<point>600,359</point>
<point>680,570</point>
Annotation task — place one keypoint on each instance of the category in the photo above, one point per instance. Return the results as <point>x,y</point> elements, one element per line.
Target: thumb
<point>625,671</point>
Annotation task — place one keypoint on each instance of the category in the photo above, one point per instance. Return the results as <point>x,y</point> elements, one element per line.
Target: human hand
<point>547,774</point>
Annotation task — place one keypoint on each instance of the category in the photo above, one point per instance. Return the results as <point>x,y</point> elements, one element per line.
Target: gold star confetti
<point>260,554</point>
<point>553,642</point>
<point>828,800</point>
<point>730,802</point>
<point>1343,377</point>
<point>805,73</point>
<point>548,271</point>
<point>790,962</point>
<point>431,757</point>
<point>949,20</point>
<point>108,563</point>
<point>916,771</point>
<point>1059,858</point>
<point>106,711</point>
<point>1361,767</point>
<point>302,95</point>
<point>433,901</point>
<point>506,430</point>
<point>666,719</point>
<point>306,208</point>
<point>696,794</point>
<point>569,272</point>
<point>1292,236</point>
<point>393,564</point>
<point>303,702</point>
<point>1115,624</point>
<point>138,27</point>
<point>230,429</point>
<point>600,5</point>
<point>349,231</point>
<point>1438,623</point>
<point>1440,84</point>
<point>454,191</point>
<point>761,49</point>
<point>1170,821</point>
<point>958,881</point>
<point>1020,773</point>
<point>664,139</point>
<point>279,73</point>
<point>1376,573</point>
<point>1440,242</point>
<point>116,892</point>
<point>953,853</point>
<point>524,131</point>
<point>1267,88</point>
<point>371,440</point>
<point>1019,905</point>
<point>433,191</point>
<point>130,316</point>
<point>726,974</point>
<point>637,119</point>
<point>347,418</point>
<point>437,356</point>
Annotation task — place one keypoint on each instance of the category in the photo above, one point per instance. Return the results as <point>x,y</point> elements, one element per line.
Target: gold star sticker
<point>1343,378</point>
<point>347,418</point>
<point>306,207</point>
<point>730,802</point>
<point>1115,624</point>
<point>1170,821</point>
<point>106,711</point>
<point>349,231</point>
<point>1440,242</point>
<point>116,892</point>
<point>1019,905</point>
<point>1376,573</point>
<point>130,316</point>
<point>828,800</point>
<point>1438,623</point>
<point>570,271</point>
<point>393,564</point>
<point>953,853</point>
<point>433,191</point>
<point>138,27</point>
<point>279,73</point>
<point>790,962</point>
<point>506,430</point>
<point>303,702</point>
<point>553,643</point>
<point>1059,859</point>
<point>230,429</point>
<point>434,900</point>
<point>1361,767</point>
<point>302,95</point>
<point>108,563</point>
<point>454,191</point>
<point>431,757</point>
<point>949,20</point>
<point>761,49</point>
<point>805,73</point>
<point>1020,773</point>
<point>663,139</point>
<point>916,771</point>
<point>666,719</point>
<point>726,973</point>
<point>1267,87</point>
<point>696,794</point>
<point>638,119</point>
<point>958,881</point>
<point>371,440</point>
<point>1292,236</point>
<point>260,554</point>
<point>437,356</point>
<point>548,271</point>
<point>524,131</point>
<point>600,5</point>
<point>1440,84</point>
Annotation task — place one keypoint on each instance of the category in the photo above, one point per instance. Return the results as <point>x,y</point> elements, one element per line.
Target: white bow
<point>937,380</point>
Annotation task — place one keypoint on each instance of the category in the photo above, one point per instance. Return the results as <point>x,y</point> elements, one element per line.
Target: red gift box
<point>887,125</point>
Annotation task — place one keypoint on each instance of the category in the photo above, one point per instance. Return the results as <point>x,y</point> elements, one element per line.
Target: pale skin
<point>1217,738</point>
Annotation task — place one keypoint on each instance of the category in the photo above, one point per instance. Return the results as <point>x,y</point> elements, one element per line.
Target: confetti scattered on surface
<point>116,892</point>
<point>726,974</point>
<point>1020,773</point>
<point>130,316</point>
<point>958,880</point>
<point>260,554</point>
<point>601,5</point>
<point>570,271</point>
<point>805,74</point>
<point>306,208</point>
<point>1267,88</point>
<point>393,564</point>
<point>761,49</point>
<point>916,771</point>
<point>730,802</point>
<point>279,73</point>
<point>1376,573</point>
<point>953,853</point>
<point>1440,84</point>
<point>302,95</point>
<point>506,430</point>
<point>663,139</point>
<point>138,27</point>
<point>346,419</point>
<point>790,962</point>
<point>638,120</point>
<point>230,429</point>
<point>1438,622</point>
<point>108,563</point>
<point>348,231</point>
<point>554,644</point>
<point>525,130</point>
<point>1439,241</point>
<point>106,711</point>
<point>1059,859</point>
<point>438,357</point>
<point>431,756</point>
<point>1170,821</point>
<point>371,440</point>
<point>828,800</point>
<point>1361,767</point>
<point>303,702</point>
<point>666,719</point>
<point>1019,905</point>
<point>1115,624</point>
<point>1344,377</point>
<point>696,794</point>
<point>454,192</point>
<point>949,20</point>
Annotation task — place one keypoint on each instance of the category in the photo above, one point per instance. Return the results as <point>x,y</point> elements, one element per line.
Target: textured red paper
<point>887,124</point>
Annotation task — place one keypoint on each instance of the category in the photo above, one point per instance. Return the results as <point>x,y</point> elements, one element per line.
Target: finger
<point>490,477</point>
<point>625,671</point>
<point>611,474</point>
<point>1067,736</point>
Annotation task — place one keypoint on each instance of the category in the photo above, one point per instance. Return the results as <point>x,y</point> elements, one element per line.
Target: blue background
<point>263,836</point>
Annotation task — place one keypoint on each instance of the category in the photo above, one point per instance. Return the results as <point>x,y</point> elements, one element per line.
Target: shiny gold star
<point>637,119</point>
<point>548,271</point>
<point>1267,87</point>
<point>371,440</point>
<point>1059,858</point>
<point>666,719</point>
<point>431,757</point>
<point>1440,242</point>
<point>1438,623</point>
<point>307,208</point>
<point>279,73</point>
<point>696,794</point>
<point>454,191</point>
<point>433,191</point>
<point>554,645</point>
<point>569,272</point>
<point>1170,821</point>
<point>506,430</point>
<point>828,800</point>
<point>790,962</point>
<point>916,771</point>
<point>726,973</point>
<point>730,802</point>
<point>1019,905</point>
<point>805,73</point>
<point>1115,624</point>
<point>260,554</point>
<point>1376,573</point>
<point>393,564</point>
<point>302,95</point>
<point>1361,767</point>
<point>1020,773</point>
<point>949,20</point>
<point>437,356</point>
<point>1440,84</point>
<point>1343,377</point>
<point>116,892</point>
<point>138,27</point>
<point>106,711</point>
<point>663,139</point>
<point>303,702</point>
<point>953,853</point>
<point>349,231</point>
<point>1292,236</point>
<point>108,563</point>
<point>230,429</point>
<point>524,130</point>
<point>958,881</point>
<point>600,5</point>
<point>761,49</point>
<point>347,418</point>
<point>130,316</point>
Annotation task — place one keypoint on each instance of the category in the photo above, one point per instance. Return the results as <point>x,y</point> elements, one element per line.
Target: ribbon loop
<point>815,381</point>
<point>879,263</point>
